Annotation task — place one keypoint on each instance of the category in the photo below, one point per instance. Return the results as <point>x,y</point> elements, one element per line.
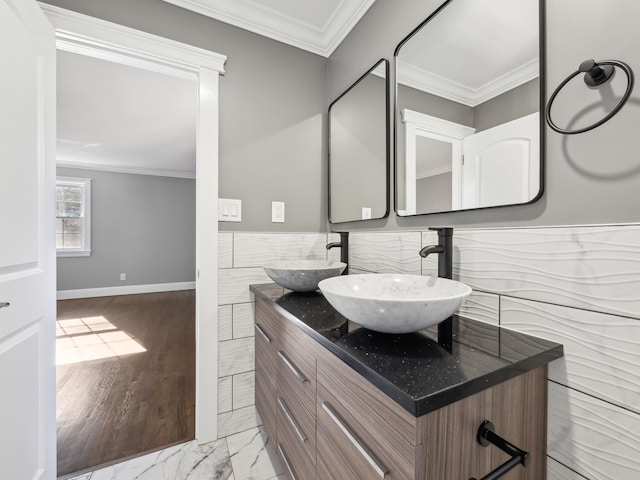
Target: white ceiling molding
<point>425,81</point>
<point>321,37</point>
<point>115,168</point>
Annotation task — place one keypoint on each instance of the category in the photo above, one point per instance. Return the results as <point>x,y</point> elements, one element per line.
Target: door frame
<point>419,124</point>
<point>85,35</point>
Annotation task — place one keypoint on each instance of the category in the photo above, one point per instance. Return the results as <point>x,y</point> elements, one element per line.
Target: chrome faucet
<point>445,270</point>
<point>344,249</point>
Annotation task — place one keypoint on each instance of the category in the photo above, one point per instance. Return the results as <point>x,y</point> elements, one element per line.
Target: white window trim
<point>85,183</point>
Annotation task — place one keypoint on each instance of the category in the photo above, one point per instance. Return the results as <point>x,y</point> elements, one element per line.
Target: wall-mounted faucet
<point>444,249</point>
<point>344,249</point>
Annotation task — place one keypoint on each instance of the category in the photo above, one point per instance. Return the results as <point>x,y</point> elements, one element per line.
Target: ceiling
<point>473,51</point>
<point>120,118</point>
<point>317,26</point>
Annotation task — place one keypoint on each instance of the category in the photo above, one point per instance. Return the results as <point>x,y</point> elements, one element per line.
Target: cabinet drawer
<point>366,402</point>
<point>297,434</point>
<point>297,368</point>
<point>356,448</point>
<point>268,321</point>
<point>266,404</point>
<point>297,455</point>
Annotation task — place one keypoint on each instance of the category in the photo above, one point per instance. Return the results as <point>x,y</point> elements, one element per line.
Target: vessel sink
<point>394,303</point>
<point>302,275</point>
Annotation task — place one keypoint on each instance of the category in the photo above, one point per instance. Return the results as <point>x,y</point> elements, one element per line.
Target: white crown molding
<point>124,290</point>
<point>425,81</point>
<point>78,33</point>
<point>283,28</point>
<point>102,167</point>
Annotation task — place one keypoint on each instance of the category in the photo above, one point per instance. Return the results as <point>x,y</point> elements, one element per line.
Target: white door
<point>501,164</point>
<point>27,243</point>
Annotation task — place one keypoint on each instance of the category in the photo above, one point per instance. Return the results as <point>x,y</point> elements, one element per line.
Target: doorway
<point>82,34</point>
<point>126,362</point>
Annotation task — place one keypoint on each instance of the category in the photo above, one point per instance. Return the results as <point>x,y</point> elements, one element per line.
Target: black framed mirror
<point>469,89</point>
<point>359,163</point>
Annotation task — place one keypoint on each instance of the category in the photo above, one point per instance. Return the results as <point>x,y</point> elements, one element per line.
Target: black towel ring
<point>596,74</point>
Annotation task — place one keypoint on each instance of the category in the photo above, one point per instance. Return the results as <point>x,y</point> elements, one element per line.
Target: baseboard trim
<point>124,290</point>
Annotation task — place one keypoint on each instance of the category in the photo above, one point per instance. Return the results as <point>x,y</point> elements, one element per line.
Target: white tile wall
<point>243,320</point>
<point>240,258</point>
<point>385,252</point>
<point>243,390</point>
<point>557,471</point>
<point>596,268</point>
<point>600,350</point>
<point>256,249</point>
<point>484,307</point>
<point>225,322</point>
<point>594,438</point>
<point>579,286</point>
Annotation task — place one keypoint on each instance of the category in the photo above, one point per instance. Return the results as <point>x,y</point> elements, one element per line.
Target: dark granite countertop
<point>413,368</point>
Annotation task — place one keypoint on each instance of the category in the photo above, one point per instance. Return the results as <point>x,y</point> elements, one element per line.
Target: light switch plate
<point>229,210</point>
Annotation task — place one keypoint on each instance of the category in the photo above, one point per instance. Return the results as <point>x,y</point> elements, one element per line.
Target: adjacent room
<point>125,237</point>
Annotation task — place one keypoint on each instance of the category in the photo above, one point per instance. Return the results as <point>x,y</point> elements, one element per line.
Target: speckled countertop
<point>414,369</point>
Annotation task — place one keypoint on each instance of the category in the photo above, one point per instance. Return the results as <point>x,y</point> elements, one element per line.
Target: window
<point>73,217</point>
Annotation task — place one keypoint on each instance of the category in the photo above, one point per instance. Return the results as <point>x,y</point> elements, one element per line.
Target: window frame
<point>85,185</point>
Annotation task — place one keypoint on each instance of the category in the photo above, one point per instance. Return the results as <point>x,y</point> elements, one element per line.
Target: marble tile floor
<point>246,455</point>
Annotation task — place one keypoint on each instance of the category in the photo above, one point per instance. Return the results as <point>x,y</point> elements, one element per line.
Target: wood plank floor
<point>140,396</point>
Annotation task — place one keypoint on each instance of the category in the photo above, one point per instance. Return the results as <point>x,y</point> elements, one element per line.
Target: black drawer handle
<point>487,436</point>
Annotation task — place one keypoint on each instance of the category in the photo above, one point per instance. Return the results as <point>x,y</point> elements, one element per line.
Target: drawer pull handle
<point>380,470</point>
<point>262,332</point>
<point>286,462</point>
<point>288,363</point>
<point>292,420</point>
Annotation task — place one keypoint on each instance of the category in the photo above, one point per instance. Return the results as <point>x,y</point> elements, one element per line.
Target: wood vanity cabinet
<point>328,422</point>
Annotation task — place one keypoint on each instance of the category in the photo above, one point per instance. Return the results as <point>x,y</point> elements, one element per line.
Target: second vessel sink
<point>302,275</point>
<point>394,303</point>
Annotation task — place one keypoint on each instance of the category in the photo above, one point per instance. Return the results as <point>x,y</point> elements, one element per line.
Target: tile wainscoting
<point>241,256</point>
<point>579,286</point>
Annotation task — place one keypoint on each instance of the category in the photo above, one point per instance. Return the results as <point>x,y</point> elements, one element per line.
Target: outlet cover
<point>277,212</point>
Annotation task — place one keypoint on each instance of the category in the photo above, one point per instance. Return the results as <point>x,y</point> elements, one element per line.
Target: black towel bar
<point>486,436</point>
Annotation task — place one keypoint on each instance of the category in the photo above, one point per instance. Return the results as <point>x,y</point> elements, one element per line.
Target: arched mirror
<point>468,100</point>
<point>359,149</point>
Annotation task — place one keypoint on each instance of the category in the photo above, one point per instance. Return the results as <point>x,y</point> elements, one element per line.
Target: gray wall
<point>434,193</point>
<point>580,187</point>
<point>272,112</point>
<point>518,102</point>
<point>141,225</point>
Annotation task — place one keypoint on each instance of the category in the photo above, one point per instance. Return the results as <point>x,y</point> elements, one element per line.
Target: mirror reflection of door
<point>500,164</point>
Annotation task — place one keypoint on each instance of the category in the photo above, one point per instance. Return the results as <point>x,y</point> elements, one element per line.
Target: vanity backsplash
<point>578,286</point>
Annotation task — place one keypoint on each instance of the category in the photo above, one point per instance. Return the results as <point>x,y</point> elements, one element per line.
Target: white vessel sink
<point>302,275</point>
<point>394,303</point>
